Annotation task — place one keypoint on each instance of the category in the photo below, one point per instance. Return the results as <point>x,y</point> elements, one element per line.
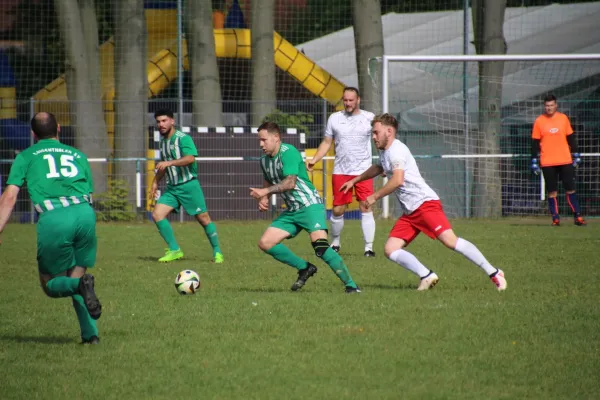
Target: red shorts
<point>429,218</point>
<point>362,189</point>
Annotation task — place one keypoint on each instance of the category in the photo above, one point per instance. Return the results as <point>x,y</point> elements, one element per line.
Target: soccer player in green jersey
<point>59,183</point>
<point>178,163</point>
<point>285,173</point>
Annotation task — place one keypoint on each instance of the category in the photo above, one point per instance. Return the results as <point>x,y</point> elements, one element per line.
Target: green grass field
<point>245,335</point>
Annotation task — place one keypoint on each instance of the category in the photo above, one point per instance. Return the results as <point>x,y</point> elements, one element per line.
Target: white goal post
<point>438,96</point>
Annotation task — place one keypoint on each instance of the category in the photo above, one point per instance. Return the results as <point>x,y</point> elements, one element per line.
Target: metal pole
<point>466,107</point>
<point>180,59</point>
<point>385,107</point>
<point>324,162</point>
<point>180,72</point>
<point>31,142</point>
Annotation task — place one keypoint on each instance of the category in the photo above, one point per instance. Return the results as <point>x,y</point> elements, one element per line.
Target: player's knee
<point>320,246</point>
<point>156,216</point>
<point>363,207</point>
<point>392,245</point>
<point>338,211</point>
<point>203,219</point>
<point>265,245</point>
<point>389,249</point>
<point>448,238</point>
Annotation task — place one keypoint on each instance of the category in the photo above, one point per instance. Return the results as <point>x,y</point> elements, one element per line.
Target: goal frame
<point>385,81</point>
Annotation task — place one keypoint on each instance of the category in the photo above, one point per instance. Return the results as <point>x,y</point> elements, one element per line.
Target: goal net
<point>468,121</point>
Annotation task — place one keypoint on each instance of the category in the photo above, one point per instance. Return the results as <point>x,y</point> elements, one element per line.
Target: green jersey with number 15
<point>57,175</point>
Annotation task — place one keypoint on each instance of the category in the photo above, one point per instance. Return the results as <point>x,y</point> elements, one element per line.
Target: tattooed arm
<point>288,183</point>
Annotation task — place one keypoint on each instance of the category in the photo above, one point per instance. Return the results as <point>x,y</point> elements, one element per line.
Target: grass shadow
<point>37,339</point>
<point>400,286</point>
<point>259,290</point>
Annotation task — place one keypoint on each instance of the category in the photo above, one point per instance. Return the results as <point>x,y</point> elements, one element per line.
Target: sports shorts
<point>362,189</point>
<point>429,218</point>
<point>66,237</point>
<point>310,219</point>
<point>565,172</point>
<point>189,195</point>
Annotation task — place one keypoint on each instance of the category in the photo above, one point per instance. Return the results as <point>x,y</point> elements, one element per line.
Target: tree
<point>131,88</point>
<point>207,109</point>
<point>85,103</point>
<point>488,21</point>
<point>263,54</point>
<point>368,42</point>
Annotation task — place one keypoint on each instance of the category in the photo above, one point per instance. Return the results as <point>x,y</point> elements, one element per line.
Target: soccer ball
<point>187,282</point>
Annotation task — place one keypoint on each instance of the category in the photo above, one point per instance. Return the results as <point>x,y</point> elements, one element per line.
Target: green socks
<point>86,323</point>
<point>63,286</point>
<point>285,255</point>
<point>165,230</point>
<point>213,238</point>
<point>337,265</point>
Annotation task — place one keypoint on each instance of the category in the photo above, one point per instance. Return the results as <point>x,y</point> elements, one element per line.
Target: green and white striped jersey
<point>174,148</point>
<point>288,161</point>
<point>57,175</point>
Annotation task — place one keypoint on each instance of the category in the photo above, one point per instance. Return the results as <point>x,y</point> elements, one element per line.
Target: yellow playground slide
<point>162,66</point>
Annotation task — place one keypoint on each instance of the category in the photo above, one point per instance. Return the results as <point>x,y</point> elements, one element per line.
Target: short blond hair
<point>386,119</point>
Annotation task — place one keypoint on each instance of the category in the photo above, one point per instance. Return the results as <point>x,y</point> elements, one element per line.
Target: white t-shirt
<point>352,139</point>
<point>415,191</point>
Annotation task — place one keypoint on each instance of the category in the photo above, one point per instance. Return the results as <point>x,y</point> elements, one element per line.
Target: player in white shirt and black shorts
<point>421,206</point>
<point>350,131</point>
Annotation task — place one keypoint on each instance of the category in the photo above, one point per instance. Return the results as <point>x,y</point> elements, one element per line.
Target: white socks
<point>337,224</point>
<point>471,252</point>
<point>410,262</point>
<point>367,222</point>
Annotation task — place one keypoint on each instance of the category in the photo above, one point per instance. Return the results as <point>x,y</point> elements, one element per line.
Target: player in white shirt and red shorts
<point>421,206</point>
<point>350,131</point>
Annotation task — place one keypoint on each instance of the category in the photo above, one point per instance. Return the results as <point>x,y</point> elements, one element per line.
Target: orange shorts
<point>429,218</point>
<point>362,189</point>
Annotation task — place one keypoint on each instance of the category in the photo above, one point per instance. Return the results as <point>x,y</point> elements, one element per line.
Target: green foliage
<point>114,205</point>
<point>298,120</point>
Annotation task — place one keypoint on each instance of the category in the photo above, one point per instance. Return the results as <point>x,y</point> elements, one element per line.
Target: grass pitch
<point>245,335</point>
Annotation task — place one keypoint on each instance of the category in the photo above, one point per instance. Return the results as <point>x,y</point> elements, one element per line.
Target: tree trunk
<point>264,97</point>
<point>488,21</point>
<point>87,118</point>
<point>131,89</point>
<point>207,109</point>
<point>368,41</point>
<point>90,35</point>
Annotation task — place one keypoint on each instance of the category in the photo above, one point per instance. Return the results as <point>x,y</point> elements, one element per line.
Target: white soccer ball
<point>187,282</point>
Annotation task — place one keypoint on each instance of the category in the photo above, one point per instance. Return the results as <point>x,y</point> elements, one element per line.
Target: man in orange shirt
<point>554,140</point>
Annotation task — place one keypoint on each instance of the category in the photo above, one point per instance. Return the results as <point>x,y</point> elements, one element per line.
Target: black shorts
<point>566,173</point>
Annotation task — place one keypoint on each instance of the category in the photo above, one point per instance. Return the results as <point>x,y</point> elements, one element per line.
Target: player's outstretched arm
<point>7,203</point>
<point>263,202</point>
<point>373,171</point>
<point>321,151</point>
<point>288,183</point>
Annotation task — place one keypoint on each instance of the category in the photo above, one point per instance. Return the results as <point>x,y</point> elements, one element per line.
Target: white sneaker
<point>428,282</point>
<point>499,280</point>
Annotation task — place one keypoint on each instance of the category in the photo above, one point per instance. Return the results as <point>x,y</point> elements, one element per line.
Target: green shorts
<point>310,219</point>
<point>189,195</point>
<point>66,237</point>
